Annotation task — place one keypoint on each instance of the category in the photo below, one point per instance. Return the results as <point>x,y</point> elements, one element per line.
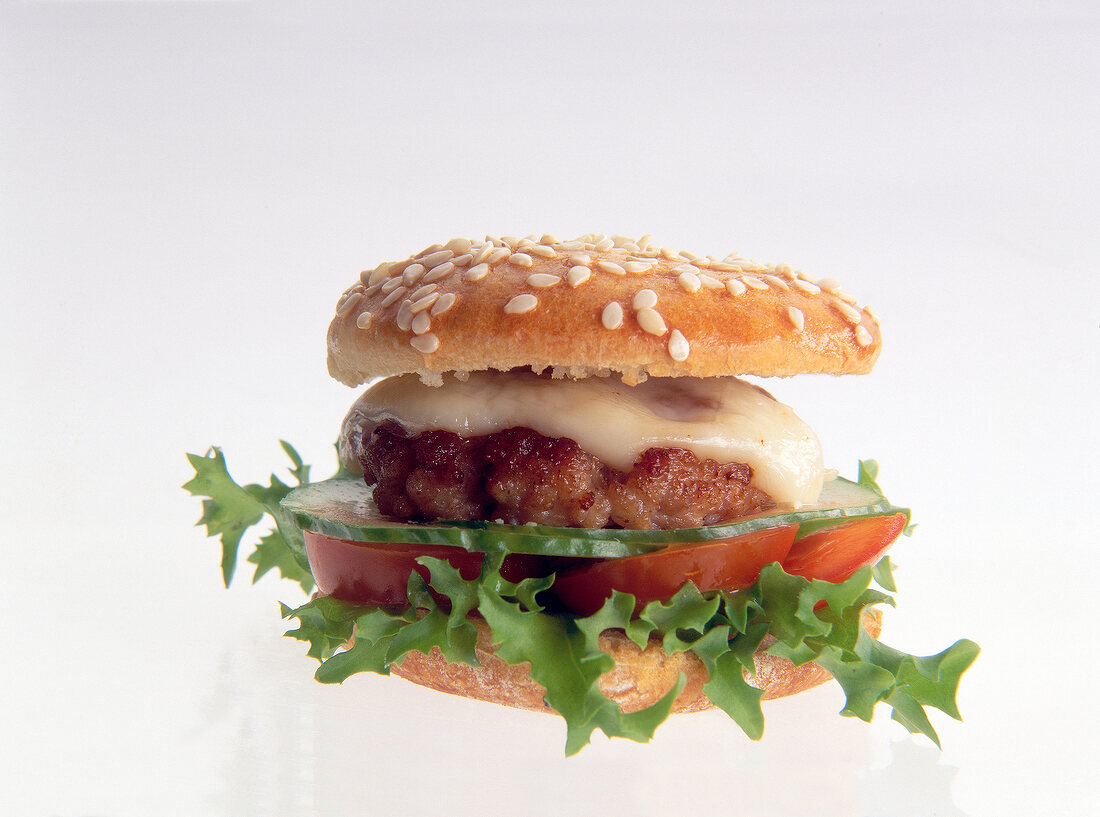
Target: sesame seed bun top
<point>593,305</point>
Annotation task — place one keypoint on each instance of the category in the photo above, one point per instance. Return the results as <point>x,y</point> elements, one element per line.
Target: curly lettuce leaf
<point>230,509</point>
<point>722,629</point>
<point>328,624</point>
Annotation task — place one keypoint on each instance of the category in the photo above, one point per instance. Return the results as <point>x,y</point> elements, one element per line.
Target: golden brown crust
<point>470,306</point>
<point>639,679</point>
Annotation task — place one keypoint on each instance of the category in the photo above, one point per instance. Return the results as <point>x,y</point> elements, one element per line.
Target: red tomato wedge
<point>378,572</point>
<point>836,552</point>
<point>725,564</point>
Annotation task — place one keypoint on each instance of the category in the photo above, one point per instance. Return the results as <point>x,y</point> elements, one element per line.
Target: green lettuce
<point>799,619</point>
<point>229,509</point>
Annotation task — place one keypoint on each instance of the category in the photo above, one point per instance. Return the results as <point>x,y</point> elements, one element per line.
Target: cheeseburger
<point>558,493</point>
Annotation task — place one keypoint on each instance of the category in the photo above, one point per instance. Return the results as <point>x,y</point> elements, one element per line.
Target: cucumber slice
<point>342,507</point>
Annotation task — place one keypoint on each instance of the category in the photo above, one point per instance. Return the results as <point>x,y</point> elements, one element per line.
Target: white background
<point>186,188</point>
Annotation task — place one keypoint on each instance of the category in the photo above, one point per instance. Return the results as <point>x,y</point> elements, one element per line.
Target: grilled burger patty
<point>520,476</point>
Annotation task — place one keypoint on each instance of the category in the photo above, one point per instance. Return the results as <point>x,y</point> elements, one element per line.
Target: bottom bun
<point>639,679</point>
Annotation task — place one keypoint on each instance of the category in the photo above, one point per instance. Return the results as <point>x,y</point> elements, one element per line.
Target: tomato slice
<point>724,564</point>
<point>378,572</point>
<point>836,552</point>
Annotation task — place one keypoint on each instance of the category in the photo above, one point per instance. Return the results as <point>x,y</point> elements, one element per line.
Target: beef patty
<point>520,476</point>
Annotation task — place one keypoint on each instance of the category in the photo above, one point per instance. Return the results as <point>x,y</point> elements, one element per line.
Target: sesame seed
<point>347,304</point>
<point>678,347</point>
<point>543,251</point>
<point>847,297</point>
<point>436,258</point>
<point>581,259</point>
<point>725,266</point>
<point>458,245</point>
<point>510,241</point>
<point>379,273</point>
<point>651,321</point>
<point>578,275</point>
<point>637,266</point>
<point>611,266</point>
<point>425,344</point>
<point>462,260</point>
<point>394,296</point>
<point>445,302</point>
<point>412,274</point>
<point>521,259</point>
<point>476,273</point>
<point>871,314</point>
<point>669,253</point>
<point>422,291</point>
<point>390,285</point>
<point>709,281</point>
<point>439,272</point>
<point>605,244</point>
<point>643,242</point>
<point>830,285</point>
<point>612,317</point>
<point>691,268</point>
<point>420,304</point>
<point>754,282</point>
<point>421,323</point>
<point>569,246</point>
<point>524,302</point>
<point>797,318</point>
<point>541,280</point>
<point>850,313</point>
<point>404,316</point>
<point>549,238</point>
<point>373,288</point>
<point>499,254</point>
<point>735,286</point>
<point>777,282</point>
<point>784,270</point>
<point>807,286</point>
<point>690,256</point>
<point>689,281</point>
<point>364,319</point>
<point>482,254</point>
<point>644,298</point>
<point>863,337</point>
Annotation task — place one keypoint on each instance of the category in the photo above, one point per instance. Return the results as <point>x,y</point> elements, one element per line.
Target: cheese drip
<point>721,418</point>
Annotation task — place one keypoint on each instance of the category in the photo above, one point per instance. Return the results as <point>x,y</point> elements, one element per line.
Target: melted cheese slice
<point>720,418</point>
